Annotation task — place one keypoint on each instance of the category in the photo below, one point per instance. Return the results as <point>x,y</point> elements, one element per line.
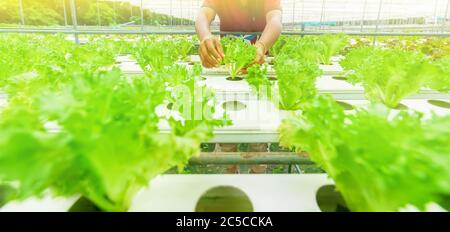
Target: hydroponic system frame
<point>293,192</point>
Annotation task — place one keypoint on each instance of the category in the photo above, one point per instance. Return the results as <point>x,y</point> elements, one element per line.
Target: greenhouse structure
<point>156,106</point>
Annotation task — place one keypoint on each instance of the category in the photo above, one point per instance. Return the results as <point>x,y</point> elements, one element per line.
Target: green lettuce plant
<point>388,75</point>
<point>434,47</point>
<point>155,55</point>
<point>296,81</point>
<point>184,46</point>
<point>439,78</point>
<point>195,103</point>
<point>318,49</point>
<point>330,45</point>
<point>107,144</point>
<point>239,54</point>
<point>379,162</point>
<point>259,82</point>
<point>278,47</point>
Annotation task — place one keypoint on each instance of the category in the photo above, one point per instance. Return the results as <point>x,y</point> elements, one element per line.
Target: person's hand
<point>211,52</point>
<point>260,53</point>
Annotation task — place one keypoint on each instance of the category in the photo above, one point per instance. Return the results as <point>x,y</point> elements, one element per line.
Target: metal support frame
<point>445,16</point>
<point>363,15</point>
<point>171,15</point>
<point>193,32</point>
<point>322,14</point>
<point>65,12</point>
<point>142,16</point>
<point>115,12</point>
<point>99,18</point>
<point>250,158</point>
<point>435,12</point>
<point>378,22</point>
<point>293,14</point>
<point>131,10</point>
<point>73,11</point>
<point>22,16</point>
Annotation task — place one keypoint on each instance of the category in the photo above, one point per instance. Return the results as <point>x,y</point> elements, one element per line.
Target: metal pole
<point>115,14</point>
<point>302,18</point>
<point>378,22</point>
<point>343,17</point>
<point>65,12</point>
<point>222,158</point>
<point>321,14</point>
<point>142,17</point>
<point>444,22</point>
<point>293,14</point>
<point>99,18</point>
<point>131,10</point>
<point>303,12</point>
<point>22,16</point>
<point>73,12</point>
<point>364,15</point>
<point>192,11</point>
<point>181,14</point>
<point>435,14</point>
<point>170,13</point>
<point>216,32</point>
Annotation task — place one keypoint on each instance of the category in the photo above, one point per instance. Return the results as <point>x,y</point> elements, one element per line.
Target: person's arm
<point>210,50</point>
<point>270,34</point>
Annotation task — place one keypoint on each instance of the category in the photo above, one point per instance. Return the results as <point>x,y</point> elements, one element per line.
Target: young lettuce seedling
<point>238,55</point>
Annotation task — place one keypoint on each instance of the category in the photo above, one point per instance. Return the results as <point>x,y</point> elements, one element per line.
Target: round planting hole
<point>345,105</point>
<point>233,106</point>
<point>169,106</point>
<point>235,79</point>
<point>330,200</point>
<point>439,103</point>
<point>272,78</point>
<point>208,147</point>
<point>224,199</point>
<point>84,205</point>
<point>400,106</point>
<point>340,78</point>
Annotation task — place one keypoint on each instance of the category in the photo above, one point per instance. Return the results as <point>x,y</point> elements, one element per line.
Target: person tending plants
<point>248,17</point>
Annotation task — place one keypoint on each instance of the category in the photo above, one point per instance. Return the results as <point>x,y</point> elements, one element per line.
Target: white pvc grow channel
<point>184,193</point>
<point>257,121</point>
<point>266,193</point>
<point>129,66</point>
<point>45,204</point>
<point>327,84</point>
<point>330,83</point>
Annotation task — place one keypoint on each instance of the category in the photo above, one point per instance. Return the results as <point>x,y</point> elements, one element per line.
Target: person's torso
<point>235,16</point>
